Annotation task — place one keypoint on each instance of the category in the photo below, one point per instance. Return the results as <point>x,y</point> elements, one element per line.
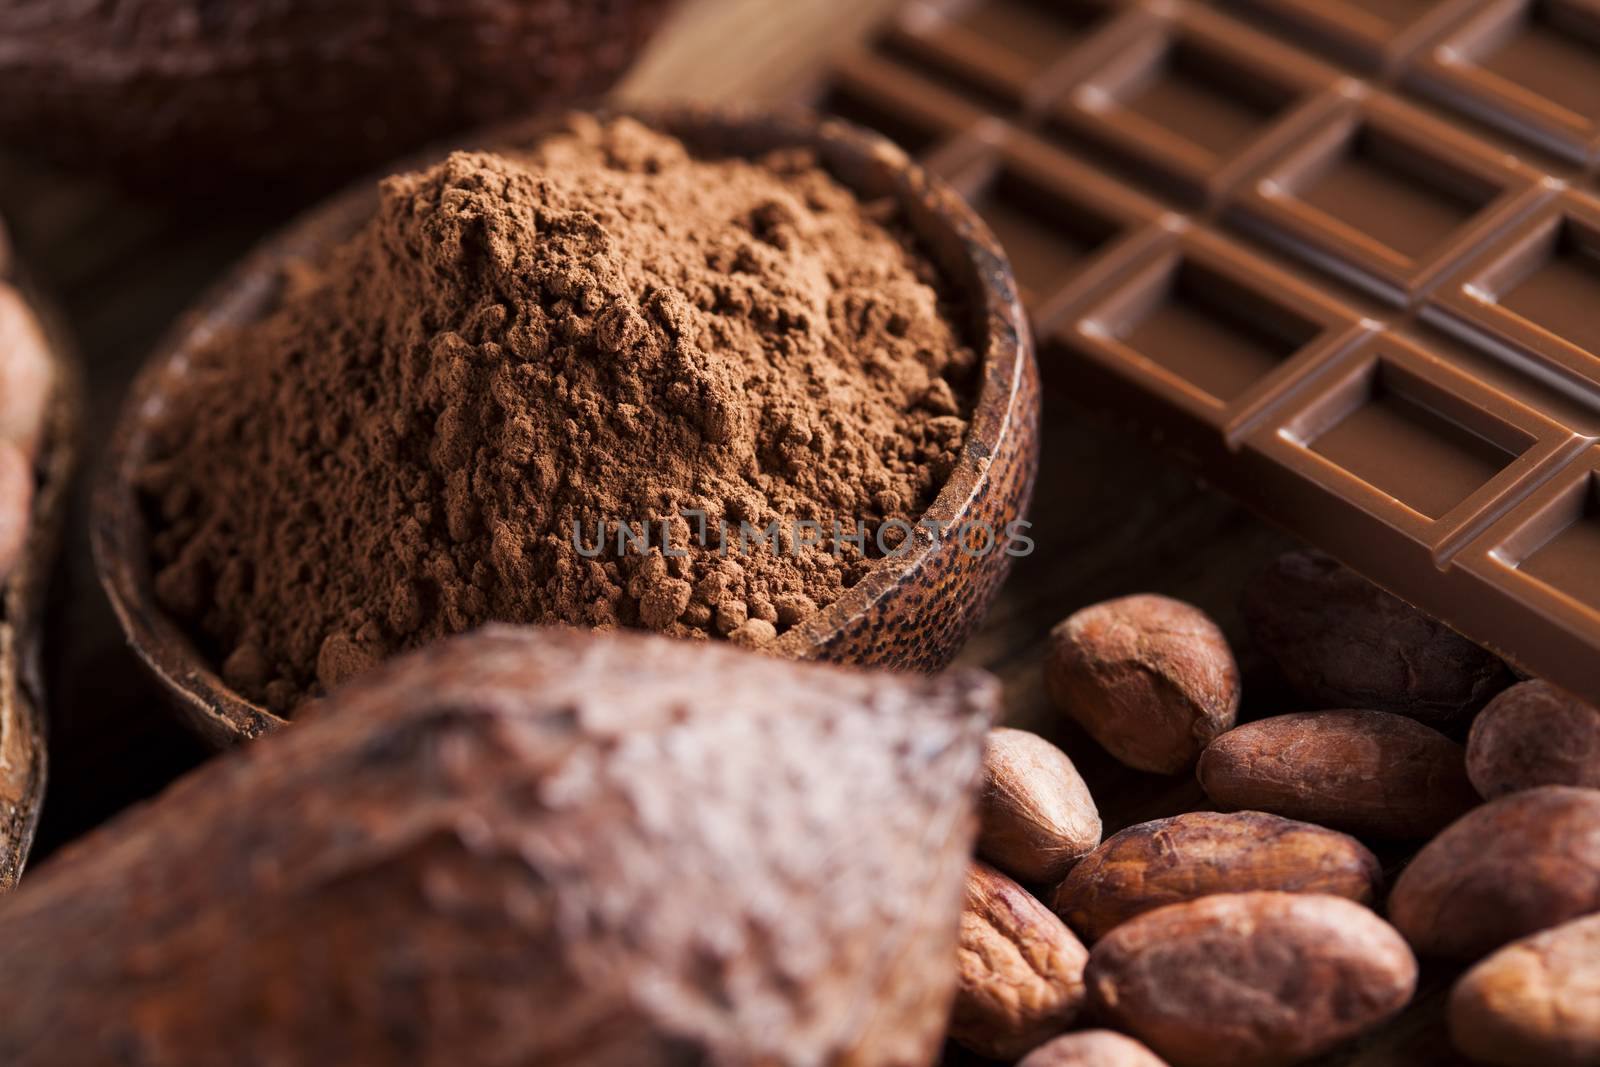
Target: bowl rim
<point>1000,332</point>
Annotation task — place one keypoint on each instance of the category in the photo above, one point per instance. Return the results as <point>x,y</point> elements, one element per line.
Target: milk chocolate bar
<point>1341,256</point>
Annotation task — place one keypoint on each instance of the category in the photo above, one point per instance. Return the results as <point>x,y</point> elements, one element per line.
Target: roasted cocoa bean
<point>1250,979</point>
<point>1513,867</point>
<point>27,374</point>
<point>16,506</point>
<point>1534,734</point>
<point>1169,861</point>
<point>1092,1048</point>
<point>1535,1001</point>
<point>1035,815</point>
<point>1343,642</point>
<point>1369,773</point>
<point>1150,678</point>
<point>1021,970</point>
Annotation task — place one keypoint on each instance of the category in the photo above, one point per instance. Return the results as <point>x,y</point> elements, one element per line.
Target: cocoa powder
<point>601,328</point>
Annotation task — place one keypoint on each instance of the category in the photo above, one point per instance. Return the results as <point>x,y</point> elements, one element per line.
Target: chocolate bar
<point>1341,256</point>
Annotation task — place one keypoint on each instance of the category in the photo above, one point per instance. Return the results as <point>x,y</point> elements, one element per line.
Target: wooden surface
<point>1110,517</point>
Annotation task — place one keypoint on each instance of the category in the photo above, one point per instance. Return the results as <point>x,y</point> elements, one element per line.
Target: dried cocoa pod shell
<point>1150,678</point>
<point>186,93</point>
<point>1092,1048</point>
<point>1513,867</point>
<point>529,846</point>
<point>1368,773</point>
<point>1250,979</point>
<point>1536,1001</point>
<point>1035,814</point>
<point>1534,734</point>
<point>1168,861</point>
<point>1021,970</point>
<point>38,429</point>
<point>1343,642</point>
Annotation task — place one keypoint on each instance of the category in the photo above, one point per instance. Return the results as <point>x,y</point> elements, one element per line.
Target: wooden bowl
<point>913,611</point>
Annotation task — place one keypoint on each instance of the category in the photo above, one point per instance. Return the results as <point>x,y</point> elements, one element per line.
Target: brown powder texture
<point>599,328</point>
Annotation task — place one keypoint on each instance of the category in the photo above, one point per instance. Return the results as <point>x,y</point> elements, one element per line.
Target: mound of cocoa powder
<point>600,328</point>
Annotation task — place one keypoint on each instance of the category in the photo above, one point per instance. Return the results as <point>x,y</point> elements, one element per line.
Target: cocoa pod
<point>1534,734</point>
<point>1513,867</point>
<point>1092,1048</point>
<point>38,427</point>
<point>181,94</point>
<point>1035,815</point>
<point>1250,979</point>
<point>1535,1001</point>
<point>1020,970</point>
<point>1150,678</point>
<point>1368,773</point>
<point>528,846</point>
<point>1186,857</point>
<point>1342,642</point>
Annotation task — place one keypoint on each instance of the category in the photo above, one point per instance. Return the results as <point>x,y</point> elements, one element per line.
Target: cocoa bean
<point>1250,979</point>
<point>1092,1048</point>
<point>1021,970</point>
<point>1536,1001</point>
<point>27,374</point>
<point>1168,861</point>
<point>1035,815</point>
<point>1517,865</point>
<point>1368,773</point>
<point>1534,734</point>
<point>16,506</point>
<point>1150,678</point>
<point>1343,642</point>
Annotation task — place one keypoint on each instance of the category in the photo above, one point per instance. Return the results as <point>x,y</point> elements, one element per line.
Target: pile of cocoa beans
<point>1266,931</point>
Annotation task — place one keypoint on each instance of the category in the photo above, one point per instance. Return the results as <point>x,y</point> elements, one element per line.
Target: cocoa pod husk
<point>179,95</point>
<point>529,846</point>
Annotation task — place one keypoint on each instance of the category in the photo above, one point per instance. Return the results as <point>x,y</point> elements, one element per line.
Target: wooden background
<point>1110,516</point>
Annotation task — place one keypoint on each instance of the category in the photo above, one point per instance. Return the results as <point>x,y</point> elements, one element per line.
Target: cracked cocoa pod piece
<point>1341,641</point>
<point>1186,857</point>
<point>1021,970</point>
<point>1250,979</point>
<point>1150,678</point>
<point>38,425</point>
<point>182,94</point>
<point>529,846</point>
<point>1092,1048</point>
<point>1368,773</point>
<point>1536,1001</point>
<point>1513,867</point>
<point>1534,734</point>
<point>1035,814</point>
